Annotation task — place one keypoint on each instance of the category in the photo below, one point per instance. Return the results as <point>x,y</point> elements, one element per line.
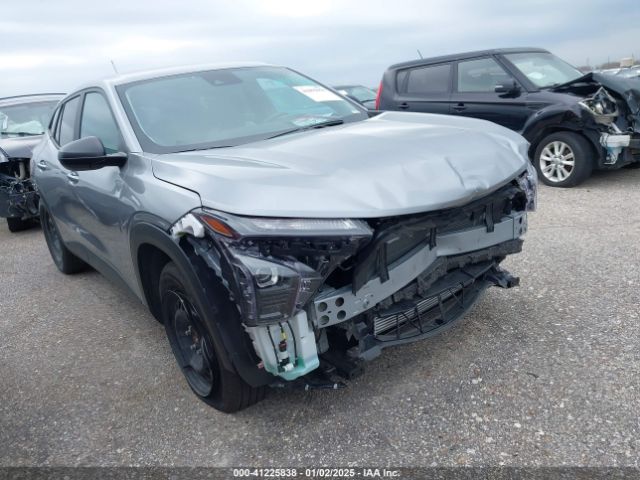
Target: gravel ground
<point>545,374</point>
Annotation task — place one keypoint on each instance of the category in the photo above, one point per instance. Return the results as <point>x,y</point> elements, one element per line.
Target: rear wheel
<point>66,261</point>
<point>18,224</point>
<point>563,159</point>
<point>192,344</point>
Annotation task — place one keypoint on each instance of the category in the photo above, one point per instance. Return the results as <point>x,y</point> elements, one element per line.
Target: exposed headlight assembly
<point>602,105</point>
<point>528,182</point>
<point>279,263</point>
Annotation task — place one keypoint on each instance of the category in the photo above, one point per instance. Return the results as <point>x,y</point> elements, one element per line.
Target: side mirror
<point>88,153</point>
<point>507,87</point>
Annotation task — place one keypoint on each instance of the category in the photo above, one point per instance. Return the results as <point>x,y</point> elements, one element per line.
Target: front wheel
<point>192,344</point>
<point>563,159</point>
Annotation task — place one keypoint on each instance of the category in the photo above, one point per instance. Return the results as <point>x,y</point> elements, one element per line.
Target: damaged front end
<point>18,196</point>
<point>610,113</point>
<point>341,290</point>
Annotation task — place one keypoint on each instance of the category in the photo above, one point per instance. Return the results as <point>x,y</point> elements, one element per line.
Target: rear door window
<point>53,124</point>
<point>426,80</point>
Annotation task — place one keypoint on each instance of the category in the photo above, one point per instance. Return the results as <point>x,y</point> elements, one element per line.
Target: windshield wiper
<point>22,134</point>
<point>329,123</point>
<point>205,148</point>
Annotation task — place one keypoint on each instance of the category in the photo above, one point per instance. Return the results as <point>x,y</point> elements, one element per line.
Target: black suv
<point>574,122</point>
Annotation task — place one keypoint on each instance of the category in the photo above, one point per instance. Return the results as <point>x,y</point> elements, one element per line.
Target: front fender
<point>228,337</point>
<point>556,118</point>
<point>552,117</point>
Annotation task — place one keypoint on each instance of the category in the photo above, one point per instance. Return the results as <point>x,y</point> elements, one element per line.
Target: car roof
<point>32,98</point>
<point>122,79</point>
<point>465,55</point>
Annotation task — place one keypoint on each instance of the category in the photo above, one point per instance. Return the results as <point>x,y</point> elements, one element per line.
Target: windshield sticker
<point>318,93</point>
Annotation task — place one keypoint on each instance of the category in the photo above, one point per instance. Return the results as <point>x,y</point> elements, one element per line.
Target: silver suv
<point>280,232</point>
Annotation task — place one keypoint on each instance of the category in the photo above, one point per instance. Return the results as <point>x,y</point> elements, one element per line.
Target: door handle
<point>403,106</point>
<point>73,177</point>
<point>459,107</point>
<point>42,165</point>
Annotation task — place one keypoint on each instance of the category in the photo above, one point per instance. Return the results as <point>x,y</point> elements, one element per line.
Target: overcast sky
<point>51,46</point>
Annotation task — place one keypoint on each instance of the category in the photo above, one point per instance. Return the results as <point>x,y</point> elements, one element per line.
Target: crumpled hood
<point>395,163</point>
<point>19,147</point>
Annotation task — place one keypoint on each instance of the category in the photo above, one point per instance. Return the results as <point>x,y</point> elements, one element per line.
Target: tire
<point>18,224</point>
<point>66,261</point>
<point>564,159</point>
<point>191,340</point>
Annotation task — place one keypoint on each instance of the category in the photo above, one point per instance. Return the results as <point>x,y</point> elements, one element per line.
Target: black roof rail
<point>464,55</point>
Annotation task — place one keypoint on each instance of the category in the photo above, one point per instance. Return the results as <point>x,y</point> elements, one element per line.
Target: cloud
<point>48,46</point>
<point>30,61</point>
<point>296,8</point>
<point>138,45</point>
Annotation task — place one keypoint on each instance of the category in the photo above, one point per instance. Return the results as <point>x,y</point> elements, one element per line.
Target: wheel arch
<point>555,119</point>
<point>593,144</point>
<point>152,247</point>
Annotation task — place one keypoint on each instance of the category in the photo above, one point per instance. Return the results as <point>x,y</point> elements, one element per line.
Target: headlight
<point>528,182</point>
<point>280,263</point>
<point>3,156</point>
<point>602,106</point>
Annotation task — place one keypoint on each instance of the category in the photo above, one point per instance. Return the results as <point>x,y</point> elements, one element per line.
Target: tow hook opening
<point>501,278</point>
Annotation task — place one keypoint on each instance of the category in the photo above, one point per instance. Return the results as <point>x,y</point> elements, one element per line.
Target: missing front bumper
<point>620,148</point>
<point>335,306</point>
<point>18,199</point>
<point>429,304</point>
<point>446,301</point>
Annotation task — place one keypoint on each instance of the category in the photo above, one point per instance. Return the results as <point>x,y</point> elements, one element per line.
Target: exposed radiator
<point>411,314</point>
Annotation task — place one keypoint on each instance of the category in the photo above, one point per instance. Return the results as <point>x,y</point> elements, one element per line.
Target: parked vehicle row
<point>575,123</point>
<point>282,233</point>
<point>361,94</point>
<point>625,72</point>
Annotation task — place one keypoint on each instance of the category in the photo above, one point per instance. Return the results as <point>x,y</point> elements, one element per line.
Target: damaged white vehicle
<point>280,234</point>
<point>23,120</point>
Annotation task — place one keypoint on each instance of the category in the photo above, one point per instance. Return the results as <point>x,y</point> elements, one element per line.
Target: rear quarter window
<point>54,121</point>
<point>425,80</point>
<point>67,131</point>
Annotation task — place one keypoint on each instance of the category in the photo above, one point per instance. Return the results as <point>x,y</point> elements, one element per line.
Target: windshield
<point>362,94</point>
<point>228,107</point>
<point>544,69</point>
<point>26,118</point>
